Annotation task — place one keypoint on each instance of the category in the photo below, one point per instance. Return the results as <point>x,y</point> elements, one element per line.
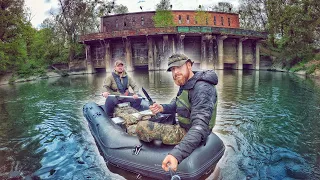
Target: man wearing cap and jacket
<point>118,83</point>
<point>195,108</point>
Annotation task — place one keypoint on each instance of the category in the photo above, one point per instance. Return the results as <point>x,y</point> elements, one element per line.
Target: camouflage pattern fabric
<point>168,134</point>
<point>138,125</point>
<point>131,117</point>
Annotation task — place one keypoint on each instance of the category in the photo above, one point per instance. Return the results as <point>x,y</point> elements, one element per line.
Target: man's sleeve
<point>107,84</point>
<point>133,85</point>
<point>170,108</point>
<point>202,99</point>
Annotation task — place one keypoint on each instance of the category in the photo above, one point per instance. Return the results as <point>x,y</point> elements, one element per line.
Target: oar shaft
<point>120,96</point>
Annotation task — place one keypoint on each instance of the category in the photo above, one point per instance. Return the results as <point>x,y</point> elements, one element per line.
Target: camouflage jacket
<point>202,96</point>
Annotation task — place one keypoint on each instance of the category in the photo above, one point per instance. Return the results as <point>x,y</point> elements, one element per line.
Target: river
<point>268,121</point>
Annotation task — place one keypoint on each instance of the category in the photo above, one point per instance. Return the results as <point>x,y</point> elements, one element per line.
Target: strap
<point>122,87</point>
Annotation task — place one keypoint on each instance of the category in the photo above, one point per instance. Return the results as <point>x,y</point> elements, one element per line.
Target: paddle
<point>120,96</point>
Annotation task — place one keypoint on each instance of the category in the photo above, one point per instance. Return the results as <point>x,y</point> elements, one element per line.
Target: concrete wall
<point>117,50</point>
<point>192,48</point>
<point>230,51</point>
<point>139,51</point>
<point>248,54</point>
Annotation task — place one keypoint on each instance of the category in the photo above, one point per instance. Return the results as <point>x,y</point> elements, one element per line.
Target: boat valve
<point>137,149</point>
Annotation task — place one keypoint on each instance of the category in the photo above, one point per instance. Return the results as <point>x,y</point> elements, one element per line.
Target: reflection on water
<point>268,122</point>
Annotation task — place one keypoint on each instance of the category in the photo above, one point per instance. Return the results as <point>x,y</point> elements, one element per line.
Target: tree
<point>223,7</point>
<point>163,16</point>
<point>163,5</point>
<point>120,9</point>
<point>253,14</point>
<point>11,43</point>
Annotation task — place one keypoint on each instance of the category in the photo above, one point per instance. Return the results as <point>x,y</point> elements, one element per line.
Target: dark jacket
<point>202,96</point>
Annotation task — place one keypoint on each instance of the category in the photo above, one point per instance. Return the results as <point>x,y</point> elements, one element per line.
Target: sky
<point>40,8</point>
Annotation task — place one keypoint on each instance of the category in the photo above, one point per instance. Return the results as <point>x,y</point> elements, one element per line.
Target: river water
<point>268,121</point>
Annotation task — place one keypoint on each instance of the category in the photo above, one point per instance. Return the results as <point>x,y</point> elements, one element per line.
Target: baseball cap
<point>177,60</point>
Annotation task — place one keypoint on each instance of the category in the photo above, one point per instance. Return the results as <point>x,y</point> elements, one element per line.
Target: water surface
<point>268,121</point>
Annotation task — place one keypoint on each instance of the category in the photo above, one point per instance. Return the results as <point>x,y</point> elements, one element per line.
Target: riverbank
<point>9,78</point>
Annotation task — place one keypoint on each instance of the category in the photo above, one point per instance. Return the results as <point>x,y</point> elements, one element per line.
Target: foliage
<point>224,7</point>
<point>163,18</point>
<point>202,17</point>
<point>163,5</point>
<point>28,51</point>
<point>253,14</point>
<point>120,9</point>
<point>293,28</point>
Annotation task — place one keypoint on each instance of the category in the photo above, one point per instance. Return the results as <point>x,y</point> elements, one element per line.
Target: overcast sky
<point>40,8</point>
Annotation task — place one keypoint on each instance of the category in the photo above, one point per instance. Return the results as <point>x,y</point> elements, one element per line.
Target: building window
<point>142,21</point>
<point>117,25</point>
<point>229,22</point>
<point>180,19</point>
<point>124,23</point>
<point>221,21</point>
<point>206,20</point>
<point>188,19</point>
<point>214,20</point>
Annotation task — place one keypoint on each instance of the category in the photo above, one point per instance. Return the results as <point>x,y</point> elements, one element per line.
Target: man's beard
<point>181,79</point>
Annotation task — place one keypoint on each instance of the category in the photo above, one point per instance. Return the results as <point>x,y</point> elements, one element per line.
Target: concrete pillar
<point>257,58</point>
<point>210,64</point>
<point>220,64</point>
<point>181,43</point>
<point>150,53</point>
<point>90,66</point>
<point>156,56</point>
<point>239,63</point>
<point>203,64</point>
<point>107,58</point>
<point>174,49</point>
<point>129,63</point>
<point>164,62</point>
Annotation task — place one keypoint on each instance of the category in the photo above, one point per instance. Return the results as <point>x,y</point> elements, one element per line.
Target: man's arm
<point>170,108</point>
<point>203,98</point>
<point>107,84</point>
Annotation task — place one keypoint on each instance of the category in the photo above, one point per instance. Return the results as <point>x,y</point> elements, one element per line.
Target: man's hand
<point>126,93</point>
<point>156,108</point>
<point>135,96</point>
<point>171,161</point>
<point>105,94</point>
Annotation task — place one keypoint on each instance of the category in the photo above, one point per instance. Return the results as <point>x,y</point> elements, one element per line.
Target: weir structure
<point>219,43</point>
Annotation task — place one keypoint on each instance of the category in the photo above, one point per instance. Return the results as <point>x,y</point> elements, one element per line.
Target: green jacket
<point>111,85</point>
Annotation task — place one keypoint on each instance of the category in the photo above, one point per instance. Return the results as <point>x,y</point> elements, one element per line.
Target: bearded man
<point>195,109</point>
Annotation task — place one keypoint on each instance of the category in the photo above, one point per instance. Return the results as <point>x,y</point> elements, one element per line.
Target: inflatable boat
<point>145,159</point>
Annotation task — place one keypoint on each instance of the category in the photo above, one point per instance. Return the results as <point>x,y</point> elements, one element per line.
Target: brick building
<point>217,44</point>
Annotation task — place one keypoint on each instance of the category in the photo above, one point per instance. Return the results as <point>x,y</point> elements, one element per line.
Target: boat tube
<point>145,158</point>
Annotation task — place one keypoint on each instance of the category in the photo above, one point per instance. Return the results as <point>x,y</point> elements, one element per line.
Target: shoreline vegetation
<point>11,79</point>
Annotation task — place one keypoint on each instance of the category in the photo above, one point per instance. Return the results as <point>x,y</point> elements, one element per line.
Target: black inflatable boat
<point>133,155</point>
